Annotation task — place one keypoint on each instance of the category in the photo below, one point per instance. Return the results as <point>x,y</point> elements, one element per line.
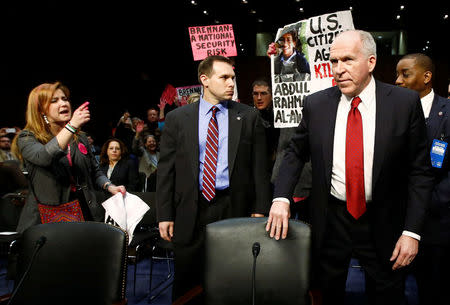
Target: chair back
<point>79,263</point>
<point>282,267</point>
<point>142,182</point>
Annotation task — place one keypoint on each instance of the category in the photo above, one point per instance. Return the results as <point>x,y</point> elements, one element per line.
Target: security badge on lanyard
<point>437,152</point>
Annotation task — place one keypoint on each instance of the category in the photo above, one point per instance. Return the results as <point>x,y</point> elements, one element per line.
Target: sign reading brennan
<point>212,40</point>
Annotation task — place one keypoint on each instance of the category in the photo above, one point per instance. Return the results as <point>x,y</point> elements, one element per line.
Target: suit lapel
<point>234,133</point>
<point>435,119</point>
<point>191,144</point>
<point>116,169</point>
<point>328,141</point>
<point>383,121</point>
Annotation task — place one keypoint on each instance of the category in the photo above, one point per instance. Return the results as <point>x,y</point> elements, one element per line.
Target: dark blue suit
<point>433,265</point>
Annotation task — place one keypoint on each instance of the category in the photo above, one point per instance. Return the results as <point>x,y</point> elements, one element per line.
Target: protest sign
<point>212,40</point>
<point>302,65</point>
<point>169,94</point>
<point>183,93</point>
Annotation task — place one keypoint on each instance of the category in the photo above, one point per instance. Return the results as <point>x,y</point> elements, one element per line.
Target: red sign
<point>212,40</point>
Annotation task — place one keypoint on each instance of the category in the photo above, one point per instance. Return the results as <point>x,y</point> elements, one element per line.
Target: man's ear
<point>427,77</point>
<point>204,80</point>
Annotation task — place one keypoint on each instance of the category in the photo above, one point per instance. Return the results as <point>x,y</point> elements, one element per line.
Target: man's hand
<point>166,230</point>
<point>278,220</point>
<point>272,49</point>
<point>405,251</point>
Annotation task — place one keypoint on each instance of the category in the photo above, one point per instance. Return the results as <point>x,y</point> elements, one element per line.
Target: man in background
<point>262,100</point>
<point>415,71</point>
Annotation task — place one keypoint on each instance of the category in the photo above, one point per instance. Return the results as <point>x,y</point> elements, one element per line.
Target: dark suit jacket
<point>401,178</point>
<point>49,173</point>
<point>437,224</point>
<point>124,173</point>
<point>178,168</point>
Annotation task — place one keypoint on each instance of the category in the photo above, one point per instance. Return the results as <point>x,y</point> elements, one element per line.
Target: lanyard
<point>69,157</point>
<point>72,181</point>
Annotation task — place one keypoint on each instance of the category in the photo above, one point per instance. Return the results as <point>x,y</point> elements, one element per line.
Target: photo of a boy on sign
<point>290,63</point>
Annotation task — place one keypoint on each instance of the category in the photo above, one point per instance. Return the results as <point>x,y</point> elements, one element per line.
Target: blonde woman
<point>60,163</point>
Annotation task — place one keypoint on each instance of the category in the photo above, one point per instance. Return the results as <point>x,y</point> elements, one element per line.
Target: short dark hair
<point>206,66</point>
<point>422,61</point>
<point>261,82</point>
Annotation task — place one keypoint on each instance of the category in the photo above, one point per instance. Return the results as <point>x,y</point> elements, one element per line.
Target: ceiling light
<point>193,2</point>
<point>301,9</point>
<point>402,7</point>
<point>252,12</point>
<point>244,1</point>
<point>205,12</point>
<point>398,17</point>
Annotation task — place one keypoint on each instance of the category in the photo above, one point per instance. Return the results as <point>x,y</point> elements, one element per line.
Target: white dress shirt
<point>367,108</point>
<point>427,102</point>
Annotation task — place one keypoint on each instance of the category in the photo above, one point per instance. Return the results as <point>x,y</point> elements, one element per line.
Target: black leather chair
<point>282,267</point>
<point>147,239</point>
<point>79,263</point>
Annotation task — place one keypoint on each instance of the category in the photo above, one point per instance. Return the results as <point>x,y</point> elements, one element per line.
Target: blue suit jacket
<point>437,224</point>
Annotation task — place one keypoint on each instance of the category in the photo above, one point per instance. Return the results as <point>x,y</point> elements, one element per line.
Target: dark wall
<point>111,92</point>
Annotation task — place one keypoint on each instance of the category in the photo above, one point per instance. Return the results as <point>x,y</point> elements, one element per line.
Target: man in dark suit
<point>212,166</point>
<point>371,178</point>
<point>415,71</point>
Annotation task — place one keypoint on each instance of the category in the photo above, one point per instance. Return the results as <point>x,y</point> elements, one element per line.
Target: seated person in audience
<point>5,148</point>
<point>146,150</point>
<point>155,118</point>
<point>96,150</point>
<point>124,130</point>
<point>117,167</point>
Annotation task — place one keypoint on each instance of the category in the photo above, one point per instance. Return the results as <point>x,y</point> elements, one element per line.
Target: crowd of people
<point>368,167</point>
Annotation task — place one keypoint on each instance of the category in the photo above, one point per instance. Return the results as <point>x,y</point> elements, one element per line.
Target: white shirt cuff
<point>282,199</point>
<point>411,234</point>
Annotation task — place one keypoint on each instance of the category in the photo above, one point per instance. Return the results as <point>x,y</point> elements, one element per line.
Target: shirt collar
<point>205,107</point>
<point>367,96</point>
<point>290,57</point>
<point>428,98</point>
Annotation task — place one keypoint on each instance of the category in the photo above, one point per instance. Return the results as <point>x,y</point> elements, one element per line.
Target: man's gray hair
<point>369,46</point>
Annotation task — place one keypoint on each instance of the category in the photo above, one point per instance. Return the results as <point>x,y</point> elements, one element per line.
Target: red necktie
<point>354,162</point>
<point>211,152</point>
